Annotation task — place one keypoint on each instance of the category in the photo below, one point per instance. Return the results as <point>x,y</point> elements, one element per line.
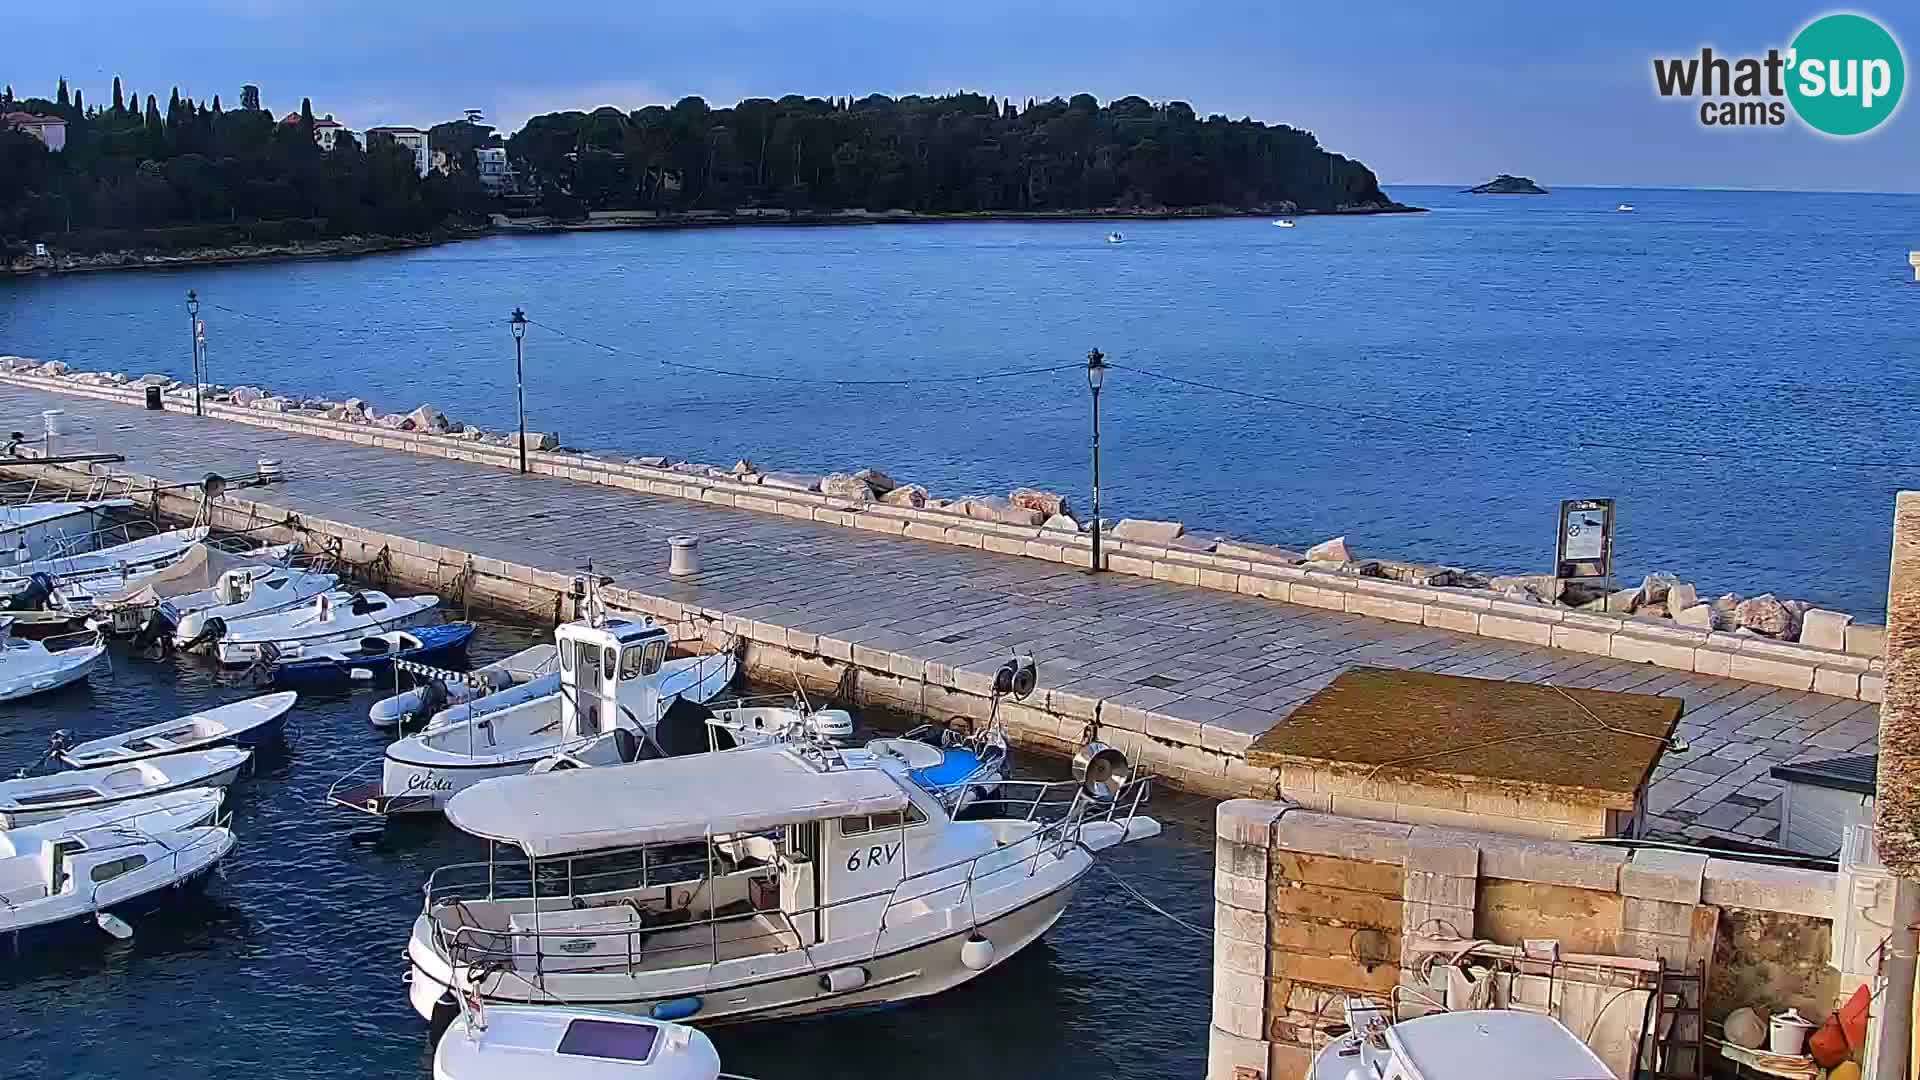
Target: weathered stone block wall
<point>1490,805</point>
<point>1311,908</point>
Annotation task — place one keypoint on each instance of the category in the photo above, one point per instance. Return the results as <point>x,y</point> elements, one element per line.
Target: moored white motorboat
<point>329,617</point>
<point>1481,1044</point>
<point>25,800</point>
<point>119,560</point>
<point>824,880</point>
<point>238,594</point>
<point>30,667</point>
<point>513,1042</point>
<point>56,881</point>
<point>600,708</point>
<point>174,810</point>
<point>37,530</point>
<point>436,694</point>
<point>254,722</point>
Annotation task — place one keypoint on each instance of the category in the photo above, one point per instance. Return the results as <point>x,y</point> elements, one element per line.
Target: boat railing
<point>480,947</point>
<point>207,837</point>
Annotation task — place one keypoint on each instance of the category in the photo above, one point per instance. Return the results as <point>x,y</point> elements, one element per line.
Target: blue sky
<point>1424,93</point>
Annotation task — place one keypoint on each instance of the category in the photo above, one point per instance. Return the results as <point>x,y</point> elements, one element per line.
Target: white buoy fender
<point>841,980</point>
<point>977,953</point>
<point>115,926</point>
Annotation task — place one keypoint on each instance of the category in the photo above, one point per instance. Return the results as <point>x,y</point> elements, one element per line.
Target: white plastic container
<point>1788,1032</point>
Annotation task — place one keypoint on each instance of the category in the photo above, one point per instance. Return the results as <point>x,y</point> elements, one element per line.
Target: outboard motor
<point>31,595</point>
<point>214,630</point>
<point>233,587</point>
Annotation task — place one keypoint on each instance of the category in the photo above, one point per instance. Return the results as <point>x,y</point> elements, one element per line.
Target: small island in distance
<point>1505,184</point>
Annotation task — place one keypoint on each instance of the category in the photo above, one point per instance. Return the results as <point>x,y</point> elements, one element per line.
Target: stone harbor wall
<point>1312,908</point>
<point>1663,621</point>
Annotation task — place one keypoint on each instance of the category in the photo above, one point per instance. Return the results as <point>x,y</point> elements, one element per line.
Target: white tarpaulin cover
<point>197,572</point>
<point>669,799</point>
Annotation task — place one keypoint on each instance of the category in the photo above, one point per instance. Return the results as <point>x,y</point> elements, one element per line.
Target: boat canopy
<point>197,572</point>
<point>569,811</point>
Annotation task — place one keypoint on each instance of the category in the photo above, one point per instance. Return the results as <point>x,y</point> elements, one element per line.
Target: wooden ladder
<point>1680,1052</point>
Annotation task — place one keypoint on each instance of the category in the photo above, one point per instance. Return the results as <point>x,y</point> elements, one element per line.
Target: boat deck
<point>1225,665</point>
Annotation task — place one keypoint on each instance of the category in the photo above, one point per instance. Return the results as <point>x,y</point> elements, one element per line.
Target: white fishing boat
<point>28,799</point>
<point>1481,1044</point>
<point>241,594</point>
<point>330,617</point>
<point>780,881</point>
<point>37,530</point>
<point>119,560</point>
<point>1624,208</point>
<point>130,586</point>
<point>602,708</point>
<point>57,881</point>
<point>252,723</point>
<point>181,809</point>
<point>1283,223</point>
<point>514,1042</point>
<point>1116,238</point>
<point>436,695</point>
<point>30,667</point>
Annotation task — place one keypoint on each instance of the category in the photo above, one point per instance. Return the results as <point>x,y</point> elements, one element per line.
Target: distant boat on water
<point>1283,223</point>
<point>1624,208</point>
<point>1115,238</point>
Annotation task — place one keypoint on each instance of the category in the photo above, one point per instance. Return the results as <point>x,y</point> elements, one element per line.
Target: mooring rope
<point>1150,905</point>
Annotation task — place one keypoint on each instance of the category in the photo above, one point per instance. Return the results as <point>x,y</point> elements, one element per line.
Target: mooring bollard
<point>268,471</point>
<point>685,559</point>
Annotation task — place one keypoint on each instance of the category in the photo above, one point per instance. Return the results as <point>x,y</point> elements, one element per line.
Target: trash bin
<point>153,398</point>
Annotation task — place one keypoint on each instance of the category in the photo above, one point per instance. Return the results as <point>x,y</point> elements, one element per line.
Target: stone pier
<point>1179,657</point>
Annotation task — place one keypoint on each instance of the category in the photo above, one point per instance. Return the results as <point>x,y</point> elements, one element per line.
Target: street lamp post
<point>519,323</point>
<point>193,339</point>
<point>1096,375</point>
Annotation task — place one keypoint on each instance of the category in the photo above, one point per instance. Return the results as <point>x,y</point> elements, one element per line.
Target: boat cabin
<point>43,867</point>
<point>605,666</point>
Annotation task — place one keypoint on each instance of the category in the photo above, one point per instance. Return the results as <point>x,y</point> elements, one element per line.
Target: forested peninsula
<point>136,182</point>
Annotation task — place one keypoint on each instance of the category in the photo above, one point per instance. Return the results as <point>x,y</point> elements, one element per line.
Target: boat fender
<point>676,1009</point>
<point>843,980</point>
<point>976,954</point>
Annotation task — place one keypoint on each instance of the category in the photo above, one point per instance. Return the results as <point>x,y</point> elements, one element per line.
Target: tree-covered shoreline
<point>134,177</point>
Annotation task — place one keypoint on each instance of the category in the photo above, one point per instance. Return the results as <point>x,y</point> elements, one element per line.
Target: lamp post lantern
<point>1096,376</point>
<point>194,339</point>
<point>519,323</point>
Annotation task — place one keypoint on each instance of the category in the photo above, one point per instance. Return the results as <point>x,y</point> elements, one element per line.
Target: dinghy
<point>64,881</point>
<point>366,657</point>
<point>511,1042</point>
<point>29,799</point>
<point>181,809</point>
<point>30,667</point>
<point>820,881</point>
<point>602,710</point>
<point>250,723</point>
<point>330,617</point>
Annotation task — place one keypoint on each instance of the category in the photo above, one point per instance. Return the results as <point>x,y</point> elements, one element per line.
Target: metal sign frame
<point>1584,548</point>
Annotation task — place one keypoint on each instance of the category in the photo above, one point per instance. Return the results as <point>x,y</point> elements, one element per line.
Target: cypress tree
<point>153,116</point>
<point>216,104</point>
<point>60,98</point>
<point>78,105</point>
<point>306,117</point>
<point>119,103</point>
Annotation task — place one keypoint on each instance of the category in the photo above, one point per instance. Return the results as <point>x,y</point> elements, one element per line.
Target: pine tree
<point>119,103</point>
<point>60,97</point>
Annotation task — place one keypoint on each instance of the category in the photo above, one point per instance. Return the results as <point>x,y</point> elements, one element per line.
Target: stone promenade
<point>1204,667</point>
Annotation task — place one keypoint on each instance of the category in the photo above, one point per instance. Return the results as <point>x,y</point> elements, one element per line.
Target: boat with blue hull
<point>370,656</point>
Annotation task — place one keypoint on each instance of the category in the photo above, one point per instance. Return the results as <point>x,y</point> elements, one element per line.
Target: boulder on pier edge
<point>1146,530</point>
<point>1050,503</point>
<point>845,486</point>
<point>1333,551</point>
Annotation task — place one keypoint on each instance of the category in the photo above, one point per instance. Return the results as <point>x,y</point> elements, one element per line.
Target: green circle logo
<point>1846,74</point>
